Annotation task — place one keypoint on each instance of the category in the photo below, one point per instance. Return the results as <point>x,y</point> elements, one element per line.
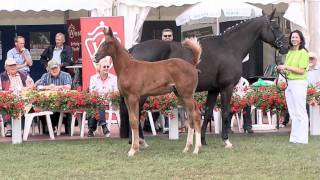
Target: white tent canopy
<point>221,11</point>
<point>40,5</point>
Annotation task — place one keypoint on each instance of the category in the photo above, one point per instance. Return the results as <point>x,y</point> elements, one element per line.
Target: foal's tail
<point>194,45</point>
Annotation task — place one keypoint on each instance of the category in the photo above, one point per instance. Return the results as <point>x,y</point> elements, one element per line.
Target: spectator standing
<point>295,67</point>
<point>21,55</point>
<point>59,52</point>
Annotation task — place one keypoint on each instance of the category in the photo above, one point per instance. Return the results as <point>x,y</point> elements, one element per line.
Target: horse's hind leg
<point>194,123</point>
<point>211,101</point>
<point>132,103</point>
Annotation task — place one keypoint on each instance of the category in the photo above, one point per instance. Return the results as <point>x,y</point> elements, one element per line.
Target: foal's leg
<point>194,122</point>
<point>225,107</point>
<point>211,101</point>
<point>133,108</point>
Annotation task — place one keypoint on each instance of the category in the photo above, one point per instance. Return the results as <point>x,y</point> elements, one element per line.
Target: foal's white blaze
<point>228,144</point>
<point>189,140</point>
<point>198,143</point>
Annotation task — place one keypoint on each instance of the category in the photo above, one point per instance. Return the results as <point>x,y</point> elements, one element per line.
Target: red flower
<point>7,117</point>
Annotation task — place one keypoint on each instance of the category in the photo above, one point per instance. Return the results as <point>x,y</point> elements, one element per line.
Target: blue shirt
<point>13,53</point>
<point>57,54</point>
<point>63,79</point>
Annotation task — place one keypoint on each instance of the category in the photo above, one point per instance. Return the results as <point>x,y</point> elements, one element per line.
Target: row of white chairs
<point>29,122</point>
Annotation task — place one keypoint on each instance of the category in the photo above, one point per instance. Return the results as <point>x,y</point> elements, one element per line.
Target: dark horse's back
<point>155,50</point>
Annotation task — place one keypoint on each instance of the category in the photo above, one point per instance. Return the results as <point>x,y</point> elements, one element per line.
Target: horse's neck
<point>120,58</point>
<point>242,39</point>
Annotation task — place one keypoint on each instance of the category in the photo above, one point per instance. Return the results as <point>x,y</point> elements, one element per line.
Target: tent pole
<point>218,26</point>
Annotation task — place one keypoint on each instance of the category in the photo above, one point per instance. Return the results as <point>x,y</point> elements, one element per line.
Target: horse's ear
<point>272,14</point>
<point>108,31</point>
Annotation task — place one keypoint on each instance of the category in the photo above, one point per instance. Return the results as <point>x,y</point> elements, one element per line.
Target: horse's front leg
<point>132,103</point>
<point>225,108</point>
<point>211,101</point>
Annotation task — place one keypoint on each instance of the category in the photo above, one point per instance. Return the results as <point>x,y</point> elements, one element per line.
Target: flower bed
<point>11,106</point>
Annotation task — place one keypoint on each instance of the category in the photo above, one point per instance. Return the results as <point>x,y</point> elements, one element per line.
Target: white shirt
<point>314,75</point>
<point>240,88</point>
<point>103,86</point>
<point>57,54</point>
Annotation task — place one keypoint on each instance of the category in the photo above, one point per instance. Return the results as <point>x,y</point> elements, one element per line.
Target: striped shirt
<point>63,79</point>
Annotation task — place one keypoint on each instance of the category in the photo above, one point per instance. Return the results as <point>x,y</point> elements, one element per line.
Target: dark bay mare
<point>137,78</point>
<point>221,61</point>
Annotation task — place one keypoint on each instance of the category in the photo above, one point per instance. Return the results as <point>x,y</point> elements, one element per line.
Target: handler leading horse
<point>138,78</point>
<point>221,60</point>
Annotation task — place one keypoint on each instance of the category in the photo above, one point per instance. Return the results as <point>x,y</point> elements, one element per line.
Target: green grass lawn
<point>258,156</point>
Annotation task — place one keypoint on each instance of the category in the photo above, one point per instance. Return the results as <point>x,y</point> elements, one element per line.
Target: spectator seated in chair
<point>13,80</point>
<point>55,80</point>
<point>102,82</point>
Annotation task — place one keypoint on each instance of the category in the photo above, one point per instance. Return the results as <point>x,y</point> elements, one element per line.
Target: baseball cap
<point>313,55</point>
<point>10,61</point>
<point>53,64</point>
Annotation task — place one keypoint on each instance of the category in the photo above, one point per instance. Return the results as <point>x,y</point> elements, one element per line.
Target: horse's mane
<point>231,29</point>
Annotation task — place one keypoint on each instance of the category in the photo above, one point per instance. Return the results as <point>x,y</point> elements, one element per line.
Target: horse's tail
<point>194,45</point>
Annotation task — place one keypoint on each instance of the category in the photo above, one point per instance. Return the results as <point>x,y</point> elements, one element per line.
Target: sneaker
<point>143,143</point>
<point>282,126</point>
<point>106,131</point>
<point>90,133</point>
<point>165,131</point>
<point>8,133</point>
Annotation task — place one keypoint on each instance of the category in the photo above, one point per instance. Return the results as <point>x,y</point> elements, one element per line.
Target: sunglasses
<point>167,35</point>
<point>106,67</point>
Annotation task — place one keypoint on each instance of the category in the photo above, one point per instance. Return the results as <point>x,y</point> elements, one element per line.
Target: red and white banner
<point>74,37</point>
<point>92,37</point>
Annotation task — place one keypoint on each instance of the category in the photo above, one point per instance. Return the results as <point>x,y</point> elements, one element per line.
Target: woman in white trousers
<point>295,67</point>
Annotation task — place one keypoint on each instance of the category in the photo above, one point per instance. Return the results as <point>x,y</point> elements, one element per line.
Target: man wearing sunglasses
<point>167,34</point>
<point>102,83</point>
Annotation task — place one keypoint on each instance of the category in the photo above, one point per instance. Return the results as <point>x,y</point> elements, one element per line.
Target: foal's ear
<point>108,31</point>
<point>272,14</point>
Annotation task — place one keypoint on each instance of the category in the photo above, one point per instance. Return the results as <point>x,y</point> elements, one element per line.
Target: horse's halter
<point>278,42</point>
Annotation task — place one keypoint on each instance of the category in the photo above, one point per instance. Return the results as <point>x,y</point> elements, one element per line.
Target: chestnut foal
<point>141,78</point>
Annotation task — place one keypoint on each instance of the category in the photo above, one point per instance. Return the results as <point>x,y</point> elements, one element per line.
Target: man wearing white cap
<point>313,70</point>
<point>13,80</point>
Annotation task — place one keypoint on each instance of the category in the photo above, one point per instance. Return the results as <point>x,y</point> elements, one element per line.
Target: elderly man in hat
<point>55,80</point>
<point>13,80</point>
<point>313,70</point>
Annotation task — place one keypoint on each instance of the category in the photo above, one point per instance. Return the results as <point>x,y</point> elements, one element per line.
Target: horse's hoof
<point>131,152</point>
<point>185,150</point>
<point>228,144</point>
<point>196,150</point>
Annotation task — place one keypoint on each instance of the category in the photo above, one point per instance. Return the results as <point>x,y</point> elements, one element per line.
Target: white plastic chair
<point>2,126</point>
<point>28,121</point>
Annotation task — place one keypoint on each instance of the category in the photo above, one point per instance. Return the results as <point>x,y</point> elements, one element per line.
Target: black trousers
<point>55,120</point>
<point>247,123</point>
